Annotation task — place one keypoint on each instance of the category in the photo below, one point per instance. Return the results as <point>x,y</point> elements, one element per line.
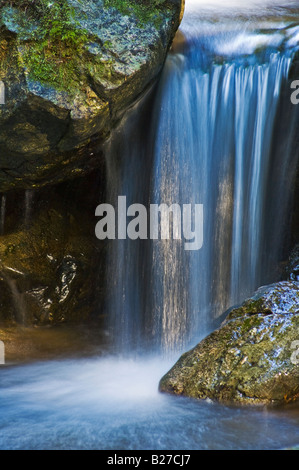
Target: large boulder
<point>70,73</point>
<point>252,358</point>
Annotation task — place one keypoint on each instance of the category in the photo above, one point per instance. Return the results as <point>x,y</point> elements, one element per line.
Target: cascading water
<point>207,139</point>
<point>220,133</point>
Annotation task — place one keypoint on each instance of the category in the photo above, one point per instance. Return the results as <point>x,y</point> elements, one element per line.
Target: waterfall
<point>206,136</point>
<point>18,299</point>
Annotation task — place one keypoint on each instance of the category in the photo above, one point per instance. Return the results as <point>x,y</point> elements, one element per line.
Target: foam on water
<point>113,403</point>
<point>206,139</point>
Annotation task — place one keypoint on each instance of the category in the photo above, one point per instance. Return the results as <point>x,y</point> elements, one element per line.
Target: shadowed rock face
<point>52,267</point>
<point>59,110</point>
<point>252,358</point>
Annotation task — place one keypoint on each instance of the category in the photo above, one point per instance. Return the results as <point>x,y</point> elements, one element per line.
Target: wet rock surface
<point>60,107</point>
<point>253,358</point>
<point>30,344</point>
<point>293,265</point>
<point>52,267</point>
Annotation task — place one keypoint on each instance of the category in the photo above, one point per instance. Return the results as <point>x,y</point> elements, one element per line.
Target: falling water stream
<point>209,141</point>
<point>209,133</point>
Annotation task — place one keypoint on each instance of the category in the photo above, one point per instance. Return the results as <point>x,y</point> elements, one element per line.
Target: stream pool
<point>215,116</point>
<point>113,404</point>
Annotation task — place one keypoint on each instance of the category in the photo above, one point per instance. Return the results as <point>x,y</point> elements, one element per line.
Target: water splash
<point>108,403</point>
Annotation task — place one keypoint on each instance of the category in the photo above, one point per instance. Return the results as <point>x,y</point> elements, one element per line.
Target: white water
<point>256,6</point>
<point>209,138</point>
<point>113,403</point>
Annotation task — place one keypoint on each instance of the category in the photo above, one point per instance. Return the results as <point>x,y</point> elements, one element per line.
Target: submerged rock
<point>252,358</point>
<point>70,74</point>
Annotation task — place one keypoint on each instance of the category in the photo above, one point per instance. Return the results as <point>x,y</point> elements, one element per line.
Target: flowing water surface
<point>219,131</point>
<point>113,403</point>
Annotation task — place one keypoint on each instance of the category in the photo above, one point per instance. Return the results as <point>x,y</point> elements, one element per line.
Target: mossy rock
<point>69,81</point>
<point>282,297</point>
<point>253,358</point>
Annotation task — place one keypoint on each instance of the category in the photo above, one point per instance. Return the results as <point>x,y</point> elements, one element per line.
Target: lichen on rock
<point>70,73</point>
<point>251,358</point>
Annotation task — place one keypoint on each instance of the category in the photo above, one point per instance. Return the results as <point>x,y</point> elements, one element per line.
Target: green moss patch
<point>53,42</point>
<point>146,11</point>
